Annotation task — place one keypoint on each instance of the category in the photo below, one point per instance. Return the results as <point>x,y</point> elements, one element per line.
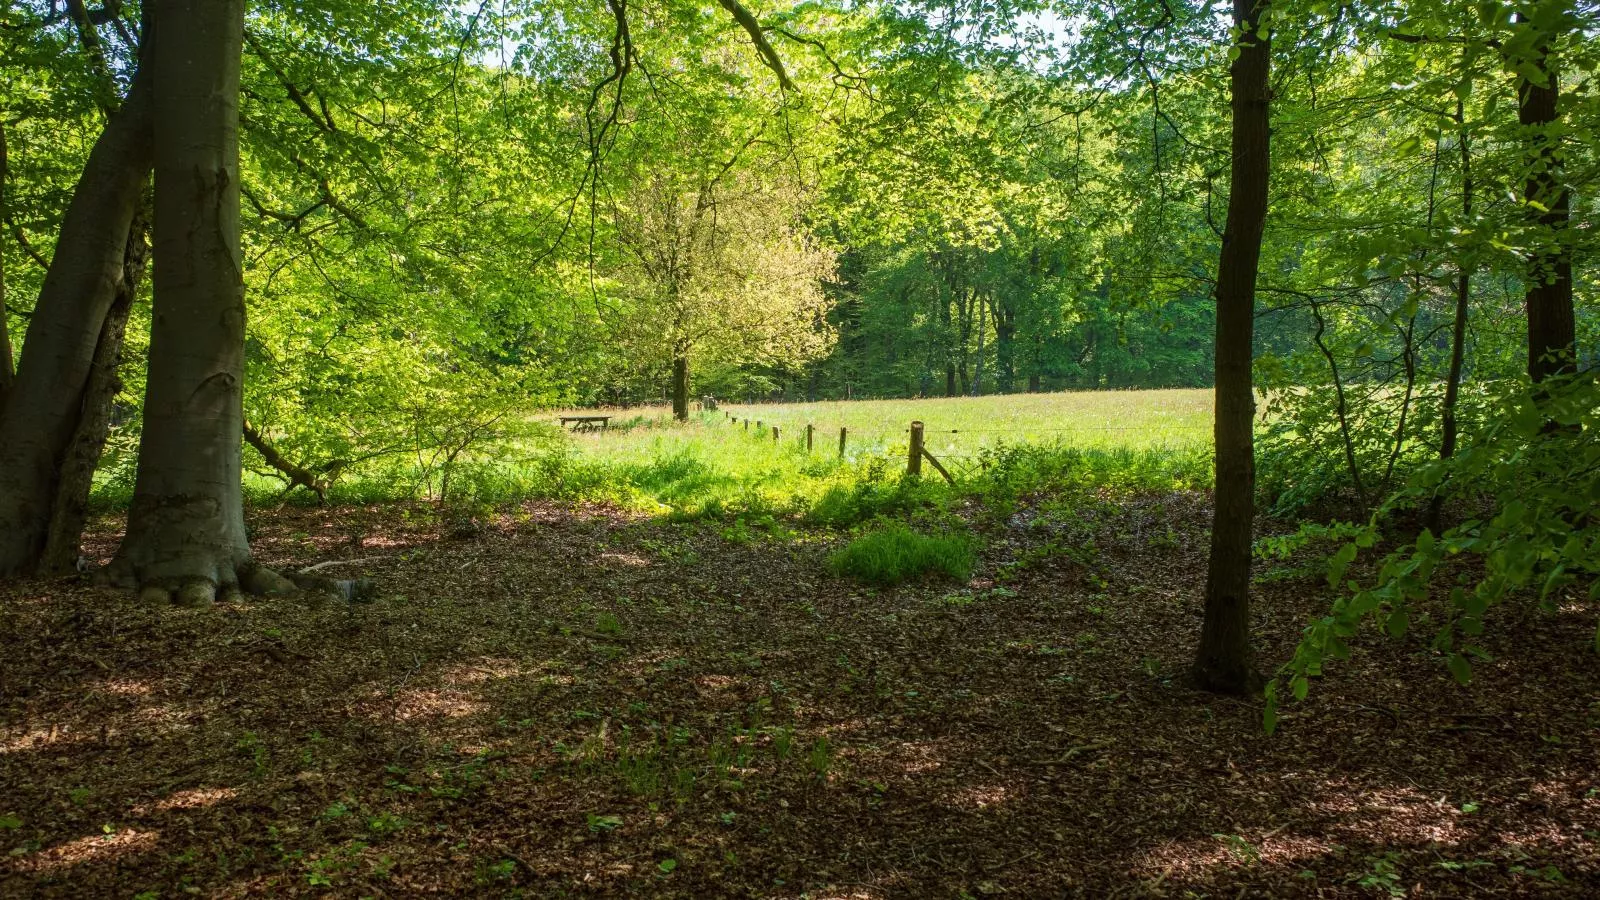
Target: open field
<point>1155,438</point>
<point>1099,420</point>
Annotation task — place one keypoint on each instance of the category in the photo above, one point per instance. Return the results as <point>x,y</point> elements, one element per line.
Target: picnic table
<point>586,423</point>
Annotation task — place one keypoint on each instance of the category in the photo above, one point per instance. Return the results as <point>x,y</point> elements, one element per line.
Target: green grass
<point>999,448</point>
<point>893,553</point>
<point>1084,420</point>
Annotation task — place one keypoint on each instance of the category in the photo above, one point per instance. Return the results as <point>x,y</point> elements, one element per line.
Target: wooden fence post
<point>841,441</point>
<point>774,434</point>
<point>746,424</point>
<point>809,429</point>
<point>914,457</point>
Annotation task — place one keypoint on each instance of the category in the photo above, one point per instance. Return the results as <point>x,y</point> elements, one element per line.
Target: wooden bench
<point>587,423</point>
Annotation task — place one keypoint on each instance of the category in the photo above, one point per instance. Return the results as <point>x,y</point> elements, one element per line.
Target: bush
<point>894,553</point>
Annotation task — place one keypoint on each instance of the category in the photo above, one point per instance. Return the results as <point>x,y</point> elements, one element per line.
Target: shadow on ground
<point>577,702</point>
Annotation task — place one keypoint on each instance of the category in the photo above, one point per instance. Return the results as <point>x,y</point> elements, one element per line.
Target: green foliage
<point>893,553</point>
<point>1535,469</point>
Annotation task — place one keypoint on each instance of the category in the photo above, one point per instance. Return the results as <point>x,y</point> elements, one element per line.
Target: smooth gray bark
<point>43,406</point>
<point>186,525</point>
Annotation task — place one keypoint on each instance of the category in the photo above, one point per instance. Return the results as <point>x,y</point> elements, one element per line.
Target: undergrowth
<point>711,470</point>
<point>893,553</point>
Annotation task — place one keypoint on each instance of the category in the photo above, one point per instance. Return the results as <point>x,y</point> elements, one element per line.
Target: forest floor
<point>579,701</point>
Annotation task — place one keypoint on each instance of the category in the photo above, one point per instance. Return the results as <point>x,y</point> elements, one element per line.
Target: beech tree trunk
<point>1225,661</point>
<point>680,387</point>
<point>43,407</point>
<point>186,525</point>
<point>71,508</point>
<point>1552,335</point>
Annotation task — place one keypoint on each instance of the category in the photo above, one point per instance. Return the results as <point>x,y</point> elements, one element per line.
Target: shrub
<point>894,553</point>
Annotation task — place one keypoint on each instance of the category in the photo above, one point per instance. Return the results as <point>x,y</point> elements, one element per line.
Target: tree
<point>1225,660</point>
<point>185,534</point>
<point>1552,335</point>
<point>718,271</point>
<point>43,408</point>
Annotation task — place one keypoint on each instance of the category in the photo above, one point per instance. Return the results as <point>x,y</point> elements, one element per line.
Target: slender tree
<point>1225,661</point>
<point>1552,336</point>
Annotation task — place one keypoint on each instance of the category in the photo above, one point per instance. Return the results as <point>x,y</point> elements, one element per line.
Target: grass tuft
<point>894,553</point>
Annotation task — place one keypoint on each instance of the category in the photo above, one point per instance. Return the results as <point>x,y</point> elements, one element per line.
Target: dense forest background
<point>454,215</point>
<point>884,200</point>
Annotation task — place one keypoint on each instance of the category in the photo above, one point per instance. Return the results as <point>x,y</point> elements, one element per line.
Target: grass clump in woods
<point>894,553</point>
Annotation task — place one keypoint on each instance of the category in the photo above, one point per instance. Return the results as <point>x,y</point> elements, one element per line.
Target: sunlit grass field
<point>955,427</point>
<point>1155,438</point>
<point>716,465</point>
<point>1098,420</point>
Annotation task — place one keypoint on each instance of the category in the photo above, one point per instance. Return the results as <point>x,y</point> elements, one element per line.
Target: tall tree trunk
<point>680,386</point>
<point>1225,661</point>
<point>1033,383</point>
<point>949,379</point>
<point>977,374</point>
<point>1458,331</point>
<point>7,370</point>
<point>1552,336</point>
<point>46,398</point>
<point>71,508</point>
<point>1005,347</point>
<point>186,526</point>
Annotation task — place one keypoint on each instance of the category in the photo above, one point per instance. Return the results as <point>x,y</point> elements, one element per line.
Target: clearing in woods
<point>581,699</point>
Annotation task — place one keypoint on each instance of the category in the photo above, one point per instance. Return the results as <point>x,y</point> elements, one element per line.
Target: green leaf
<point>9,821</point>
<point>1398,622</point>
<point>667,866</point>
<point>1459,667</point>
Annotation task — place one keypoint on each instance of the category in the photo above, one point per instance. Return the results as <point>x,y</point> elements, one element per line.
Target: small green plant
<point>1239,848</point>
<point>251,745</point>
<point>608,624</point>
<point>604,824</point>
<point>894,553</point>
<point>821,757</point>
<point>1382,874</point>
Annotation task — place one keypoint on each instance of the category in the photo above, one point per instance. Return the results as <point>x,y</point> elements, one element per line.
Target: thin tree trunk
<point>1225,660</point>
<point>977,377</point>
<point>71,508</point>
<point>680,387</point>
<point>1458,334</point>
<point>1552,339</point>
<point>186,525</point>
<point>83,279</point>
<point>7,369</point>
<point>1341,408</point>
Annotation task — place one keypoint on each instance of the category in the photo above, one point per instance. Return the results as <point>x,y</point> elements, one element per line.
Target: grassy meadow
<point>1157,438</point>
<point>715,466</point>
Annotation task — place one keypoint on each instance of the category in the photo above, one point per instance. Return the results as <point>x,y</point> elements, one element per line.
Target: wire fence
<point>947,449</point>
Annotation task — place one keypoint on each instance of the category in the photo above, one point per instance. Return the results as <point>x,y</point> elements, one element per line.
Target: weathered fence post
<point>746,424</point>
<point>774,434</point>
<point>809,429</point>
<point>914,457</point>
<point>841,441</point>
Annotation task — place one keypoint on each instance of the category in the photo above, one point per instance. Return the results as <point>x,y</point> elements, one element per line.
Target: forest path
<point>582,701</point>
